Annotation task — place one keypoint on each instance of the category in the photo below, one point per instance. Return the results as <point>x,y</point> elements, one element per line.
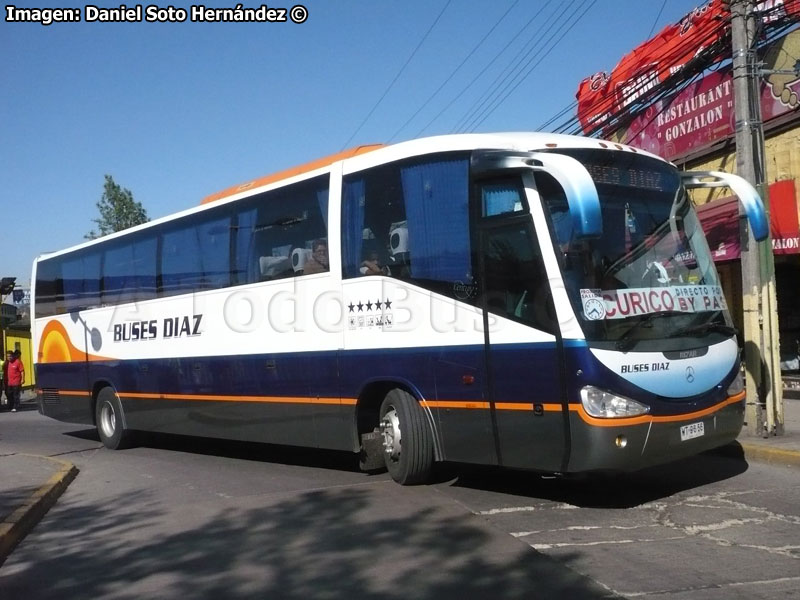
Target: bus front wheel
<point>108,416</point>
<point>407,439</point>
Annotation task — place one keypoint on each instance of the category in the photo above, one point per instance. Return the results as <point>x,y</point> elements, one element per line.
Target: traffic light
<point>6,285</point>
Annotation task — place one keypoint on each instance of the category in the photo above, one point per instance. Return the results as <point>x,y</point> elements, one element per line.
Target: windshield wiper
<point>626,341</point>
<point>706,328</point>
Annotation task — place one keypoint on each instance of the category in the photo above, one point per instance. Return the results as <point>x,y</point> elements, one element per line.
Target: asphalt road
<point>188,518</point>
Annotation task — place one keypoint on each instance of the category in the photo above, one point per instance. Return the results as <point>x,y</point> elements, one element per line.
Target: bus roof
<point>518,140</point>
<point>366,155</point>
<point>292,172</point>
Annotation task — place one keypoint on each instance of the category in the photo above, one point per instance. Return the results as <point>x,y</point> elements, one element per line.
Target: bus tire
<point>110,420</point>
<point>407,439</point>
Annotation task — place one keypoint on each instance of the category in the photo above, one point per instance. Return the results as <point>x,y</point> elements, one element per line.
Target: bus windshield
<point>650,275</point>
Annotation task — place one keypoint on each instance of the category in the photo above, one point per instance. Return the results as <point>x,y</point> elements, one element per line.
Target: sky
<point>175,111</point>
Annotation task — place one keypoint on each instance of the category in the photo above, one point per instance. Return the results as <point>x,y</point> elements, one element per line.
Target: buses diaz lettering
<point>170,327</point>
<point>645,367</point>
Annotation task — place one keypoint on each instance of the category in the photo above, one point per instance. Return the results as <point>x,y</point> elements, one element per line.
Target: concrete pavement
<point>30,485</point>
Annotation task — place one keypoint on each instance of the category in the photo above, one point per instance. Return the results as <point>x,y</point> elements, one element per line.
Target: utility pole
<point>764,412</point>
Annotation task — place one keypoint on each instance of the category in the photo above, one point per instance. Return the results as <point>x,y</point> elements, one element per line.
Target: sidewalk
<point>784,449</point>
<point>30,485</point>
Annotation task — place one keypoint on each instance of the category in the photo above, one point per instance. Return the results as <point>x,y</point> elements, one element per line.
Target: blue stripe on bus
<point>521,373</point>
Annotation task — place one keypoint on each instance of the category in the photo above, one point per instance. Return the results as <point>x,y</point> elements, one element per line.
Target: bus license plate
<point>693,430</point>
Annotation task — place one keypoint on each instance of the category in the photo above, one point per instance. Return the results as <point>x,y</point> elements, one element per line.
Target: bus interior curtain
<point>437,209</point>
<point>499,199</point>
<point>353,199</point>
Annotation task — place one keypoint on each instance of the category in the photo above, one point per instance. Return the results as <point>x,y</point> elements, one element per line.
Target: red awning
<point>720,221</point>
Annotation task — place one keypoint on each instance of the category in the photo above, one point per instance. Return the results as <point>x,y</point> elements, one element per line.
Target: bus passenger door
<point>520,326</point>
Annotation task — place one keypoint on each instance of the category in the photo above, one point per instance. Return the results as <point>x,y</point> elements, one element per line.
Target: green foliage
<point>118,210</point>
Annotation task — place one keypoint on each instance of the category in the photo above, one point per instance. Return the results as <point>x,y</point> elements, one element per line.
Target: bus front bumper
<point>635,443</point>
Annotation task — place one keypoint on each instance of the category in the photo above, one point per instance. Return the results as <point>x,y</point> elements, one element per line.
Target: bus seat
<point>299,258</point>
<point>398,238</point>
<point>270,266</point>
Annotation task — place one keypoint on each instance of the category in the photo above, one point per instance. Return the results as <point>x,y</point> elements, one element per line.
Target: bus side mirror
<point>751,202</point>
<point>582,197</point>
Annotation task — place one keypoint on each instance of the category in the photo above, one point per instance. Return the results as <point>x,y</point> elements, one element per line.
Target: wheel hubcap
<point>108,420</point>
<point>390,429</point>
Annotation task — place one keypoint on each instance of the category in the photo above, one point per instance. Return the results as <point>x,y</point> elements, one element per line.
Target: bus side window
<point>48,286</point>
<point>129,270</point>
<point>243,227</point>
<point>276,231</point>
<point>516,286</point>
<point>372,203</point>
<point>502,198</point>
<point>180,261</point>
<point>410,220</point>
<point>215,249</point>
<point>80,276</point>
<point>436,194</point>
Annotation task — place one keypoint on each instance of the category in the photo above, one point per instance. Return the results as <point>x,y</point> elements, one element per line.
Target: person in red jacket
<point>15,377</point>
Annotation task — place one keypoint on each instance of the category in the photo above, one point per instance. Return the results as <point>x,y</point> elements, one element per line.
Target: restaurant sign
<point>703,113</point>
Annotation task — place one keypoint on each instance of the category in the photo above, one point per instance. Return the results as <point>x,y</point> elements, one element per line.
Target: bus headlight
<point>606,405</point>
<point>737,385</point>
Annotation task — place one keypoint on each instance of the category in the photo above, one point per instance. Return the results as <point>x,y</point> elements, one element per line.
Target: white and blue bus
<point>533,301</point>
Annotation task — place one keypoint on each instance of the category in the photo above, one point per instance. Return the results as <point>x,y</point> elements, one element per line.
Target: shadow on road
<point>598,490</point>
<point>286,455</point>
<point>333,543</point>
<point>612,490</point>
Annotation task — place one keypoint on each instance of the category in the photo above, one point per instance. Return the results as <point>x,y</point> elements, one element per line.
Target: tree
<point>118,210</point>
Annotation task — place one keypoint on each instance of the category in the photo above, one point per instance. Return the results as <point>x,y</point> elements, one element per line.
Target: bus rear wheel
<point>407,439</point>
<point>109,420</point>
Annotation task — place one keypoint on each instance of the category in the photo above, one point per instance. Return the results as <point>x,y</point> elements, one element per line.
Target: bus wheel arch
<point>110,418</point>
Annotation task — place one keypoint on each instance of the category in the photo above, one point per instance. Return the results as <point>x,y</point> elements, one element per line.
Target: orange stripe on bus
<point>219,398</point>
<point>454,404</point>
<point>292,172</point>
<point>524,406</point>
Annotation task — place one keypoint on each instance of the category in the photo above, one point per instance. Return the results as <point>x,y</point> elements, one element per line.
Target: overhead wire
<point>574,103</point>
<point>678,81</point>
<point>461,93</point>
<point>655,22</point>
<point>640,91</point>
<point>507,92</point>
<point>513,67</point>
<point>453,73</point>
<point>567,109</point>
<point>399,73</point>
<point>611,100</point>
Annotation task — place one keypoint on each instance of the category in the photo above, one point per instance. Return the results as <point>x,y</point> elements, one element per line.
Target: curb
<point>774,456</point>
<point>17,525</point>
